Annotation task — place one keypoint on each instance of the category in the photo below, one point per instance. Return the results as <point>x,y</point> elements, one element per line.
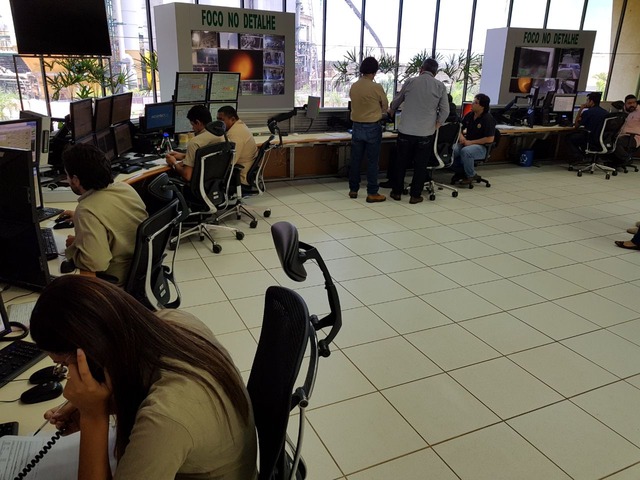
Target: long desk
<point>524,137</point>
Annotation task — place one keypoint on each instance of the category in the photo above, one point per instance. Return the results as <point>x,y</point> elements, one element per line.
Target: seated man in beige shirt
<point>238,133</point>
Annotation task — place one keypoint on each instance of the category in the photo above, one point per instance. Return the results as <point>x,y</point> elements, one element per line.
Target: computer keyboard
<point>21,312</point>
<point>47,212</point>
<point>16,358</point>
<point>50,247</point>
<point>131,169</point>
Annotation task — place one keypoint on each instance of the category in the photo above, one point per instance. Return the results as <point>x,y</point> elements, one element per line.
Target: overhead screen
<point>81,27</point>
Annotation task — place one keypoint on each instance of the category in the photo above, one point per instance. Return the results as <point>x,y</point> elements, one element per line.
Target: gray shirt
<point>425,103</point>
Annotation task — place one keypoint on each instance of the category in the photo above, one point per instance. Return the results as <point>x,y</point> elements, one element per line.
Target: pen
<point>47,421</point>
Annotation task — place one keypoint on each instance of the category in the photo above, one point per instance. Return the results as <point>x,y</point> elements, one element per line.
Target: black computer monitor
<point>23,134</point>
<point>191,87</point>
<point>224,86</point>
<point>102,113</point>
<point>158,117</point>
<point>4,319</point>
<point>181,123</point>
<point>563,103</point>
<point>43,134</point>
<point>122,138</point>
<point>81,118</point>
<point>106,143</point>
<point>121,108</point>
<point>22,259</point>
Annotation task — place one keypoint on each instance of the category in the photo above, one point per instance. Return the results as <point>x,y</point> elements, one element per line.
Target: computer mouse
<point>42,393</point>
<point>63,224</point>
<point>62,218</point>
<point>48,374</point>
<point>67,266</point>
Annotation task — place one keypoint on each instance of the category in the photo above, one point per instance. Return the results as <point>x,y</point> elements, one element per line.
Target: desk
<point>525,137</point>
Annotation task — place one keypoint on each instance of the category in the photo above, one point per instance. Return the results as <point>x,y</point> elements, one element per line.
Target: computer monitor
<point>563,103</point>
<point>102,113</point>
<point>181,122</point>
<point>224,86</point>
<point>43,134</point>
<point>81,118</point>
<point>581,98</point>
<point>158,117</point>
<point>122,138</point>
<point>191,87</point>
<point>121,108</point>
<point>313,107</point>
<point>21,134</point>
<point>214,107</point>
<point>106,143</point>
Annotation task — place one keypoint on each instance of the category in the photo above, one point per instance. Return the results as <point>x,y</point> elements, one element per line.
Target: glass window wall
<point>528,13</point>
<point>565,14</point>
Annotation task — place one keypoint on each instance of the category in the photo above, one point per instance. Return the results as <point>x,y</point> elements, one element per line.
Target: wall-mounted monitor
<point>158,117</point>
<point>224,86</point>
<point>81,27</point>
<point>191,87</point>
<point>181,123</point>
<point>563,103</point>
<point>121,107</point>
<point>81,118</point>
<point>102,113</point>
<point>122,138</point>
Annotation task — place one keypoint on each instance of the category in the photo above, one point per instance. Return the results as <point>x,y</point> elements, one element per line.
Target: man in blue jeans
<point>368,103</point>
<point>478,132</point>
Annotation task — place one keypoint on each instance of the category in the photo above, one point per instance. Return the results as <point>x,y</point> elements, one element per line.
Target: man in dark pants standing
<point>368,103</point>
<point>425,108</point>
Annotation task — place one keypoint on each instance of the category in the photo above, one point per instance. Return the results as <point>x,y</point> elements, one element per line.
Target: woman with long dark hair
<point>181,407</point>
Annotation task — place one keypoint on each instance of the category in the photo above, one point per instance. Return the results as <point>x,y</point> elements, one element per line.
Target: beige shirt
<point>105,223</point>
<point>246,148</point>
<point>202,139</point>
<point>368,101</point>
<point>632,126</point>
<point>181,432</point>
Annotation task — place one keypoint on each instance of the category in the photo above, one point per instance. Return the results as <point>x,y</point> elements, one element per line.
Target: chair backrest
<point>212,167</point>
<point>445,138</point>
<point>492,145</point>
<point>148,280</point>
<point>286,331</point>
<point>255,175</point>
<point>611,126</point>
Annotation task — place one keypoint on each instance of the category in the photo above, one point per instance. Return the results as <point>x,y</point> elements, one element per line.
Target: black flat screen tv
<point>61,27</point>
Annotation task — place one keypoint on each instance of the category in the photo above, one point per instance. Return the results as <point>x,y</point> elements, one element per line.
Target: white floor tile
<point>246,284</point>
<point>472,248</point>
<point>376,290</point>
<point>350,268</point>
<point>506,265</point>
<point>466,273</point>
<point>423,280</point>
<point>506,294</point>
<point>361,325</point>
<point>542,258</point>
<point>365,245</point>
<point>410,315</point>
<point>200,292</point>
<point>406,239</point>
<point>220,265</point>
<point>441,234</point>
<point>220,317</point>
<point>412,466</point>
<point>460,304</point>
<point>597,309</point>
<point>553,320</point>
<point>585,276</point>
<point>548,285</point>
<point>393,261</point>
<point>611,352</point>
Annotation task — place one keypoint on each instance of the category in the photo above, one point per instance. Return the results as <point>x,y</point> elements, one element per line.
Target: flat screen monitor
<point>191,87</point>
<point>158,117</point>
<point>82,26</point>
<point>81,118</point>
<point>88,140</point>
<point>181,122</point>
<point>122,138</point>
<point>121,108</point>
<point>106,144</point>
<point>313,107</point>
<point>563,103</point>
<point>102,113</point>
<point>224,86</point>
<point>581,98</point>
<point>43,134</point>
<point>214,107</point>
<point>21,134</point>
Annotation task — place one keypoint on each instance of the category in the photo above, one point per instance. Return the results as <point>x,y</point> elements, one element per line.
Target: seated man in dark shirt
<point>589,122</point>
<point>478,131</point>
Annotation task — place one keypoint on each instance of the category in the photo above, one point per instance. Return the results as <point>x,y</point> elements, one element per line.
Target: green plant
<point>601,81</point>
<point>348,68</point>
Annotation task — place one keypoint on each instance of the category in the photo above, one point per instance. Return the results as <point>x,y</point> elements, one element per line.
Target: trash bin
<point>526,158</point>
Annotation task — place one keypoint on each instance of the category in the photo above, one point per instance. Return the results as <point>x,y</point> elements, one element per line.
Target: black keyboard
<point>16,358</point>
<point>48,212</point>
<point>9,428</point>
<point>50,248</point>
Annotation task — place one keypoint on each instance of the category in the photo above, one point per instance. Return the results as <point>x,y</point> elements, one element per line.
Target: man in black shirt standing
<point>478,131</point>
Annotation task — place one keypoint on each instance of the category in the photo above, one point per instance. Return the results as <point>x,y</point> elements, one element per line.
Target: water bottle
<point>166,143</point>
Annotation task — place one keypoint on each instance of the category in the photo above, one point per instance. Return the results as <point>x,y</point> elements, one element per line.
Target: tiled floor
<point>491,336</point>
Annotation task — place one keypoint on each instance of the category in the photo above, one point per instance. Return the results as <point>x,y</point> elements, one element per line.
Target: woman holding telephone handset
<point>181,407</point>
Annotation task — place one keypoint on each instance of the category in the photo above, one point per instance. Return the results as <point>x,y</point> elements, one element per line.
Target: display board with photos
<point>259,58</point>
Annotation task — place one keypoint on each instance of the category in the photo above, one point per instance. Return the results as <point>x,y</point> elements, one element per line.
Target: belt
<point>368,123</point>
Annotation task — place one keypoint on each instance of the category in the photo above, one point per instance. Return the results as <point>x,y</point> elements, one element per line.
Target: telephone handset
<point>96,371</point>
<point>38,456</point>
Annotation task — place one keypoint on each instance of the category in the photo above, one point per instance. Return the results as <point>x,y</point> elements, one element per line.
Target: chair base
<point>593,166</point>
<point>430,187</point>
<point>461,179</point>
<point>240,209</point>
<point>204,230</point>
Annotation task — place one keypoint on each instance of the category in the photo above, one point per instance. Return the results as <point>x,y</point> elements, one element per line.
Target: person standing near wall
<point>368,104</point>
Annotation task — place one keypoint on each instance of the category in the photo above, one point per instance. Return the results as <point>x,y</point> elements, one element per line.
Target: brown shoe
<point>632,230</point>
<point>376,198</point>
<point>353,194</point>
<point>467,181</point>
<point>414,200</point>
<point>396,196</point>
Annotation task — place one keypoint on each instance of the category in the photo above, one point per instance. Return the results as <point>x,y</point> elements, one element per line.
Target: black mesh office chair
<point>206,192</point>
<point>487,156</point>
<point>287,331</point>
<point>606,144</point>
<point>149,281</point>
<point>255,178</point>
<point>445,138</point>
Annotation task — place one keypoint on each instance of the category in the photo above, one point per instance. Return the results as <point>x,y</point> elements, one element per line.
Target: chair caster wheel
<point>470,186</point>
<point>615,173</point>
<point>579,173</point>
<point>216,248</point>
<point>215,221</point>
<point>454,194</point>
<point>591,172</point>
<point>607,176</point>
<point>266,214</point>
<point>253,224</point>
<point>201,237</point>
<point>488,185</point>
<point>432,197</point>
<point>570,169</point>
<point>238,217</point>
<point>172,246</point>
<point>239,235</point>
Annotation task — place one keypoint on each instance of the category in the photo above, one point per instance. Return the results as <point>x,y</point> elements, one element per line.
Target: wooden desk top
<point>508,130</point>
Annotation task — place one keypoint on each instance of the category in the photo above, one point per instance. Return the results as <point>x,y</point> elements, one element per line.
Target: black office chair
<point>206,192</point>
<point>624,145</point>
<point>445,138</point>
<point>487,156</point>
<point>606,144</point>
<point>287,331</point>
<point>237,192</point>
<point>149,281</point>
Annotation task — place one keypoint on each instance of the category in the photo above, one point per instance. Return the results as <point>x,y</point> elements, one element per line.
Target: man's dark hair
<point>228,111</point>
<point>430,65</point>
<point>630,97</point>
<point>483,101</point>
<point>199,112</point>
<point>88,164</point>
<point>595,97</point>
<point>368,66</point>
